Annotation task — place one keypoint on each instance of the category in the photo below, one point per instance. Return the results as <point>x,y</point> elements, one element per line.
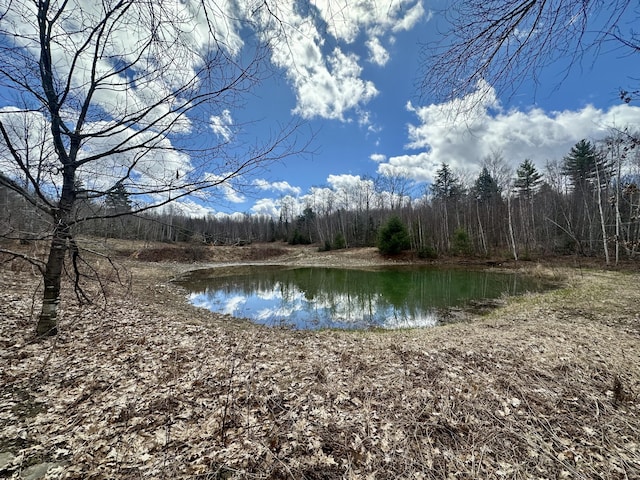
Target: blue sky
<point>348,70</point>
<point>395,131</point>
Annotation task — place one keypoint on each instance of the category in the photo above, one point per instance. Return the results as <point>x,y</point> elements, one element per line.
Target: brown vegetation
<point>545,387</point>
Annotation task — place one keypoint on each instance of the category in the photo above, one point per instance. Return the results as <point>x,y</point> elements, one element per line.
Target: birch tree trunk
<point>602,223</point>
<point>513,240</point>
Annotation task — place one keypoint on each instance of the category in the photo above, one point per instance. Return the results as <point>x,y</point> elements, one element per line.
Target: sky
<point>370,120</point>
<point>349,72</point>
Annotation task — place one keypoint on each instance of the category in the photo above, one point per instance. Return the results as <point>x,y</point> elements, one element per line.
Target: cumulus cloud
<point>134,74</point>
<point>221,125</point>
<point>187,208</point>
<point>329,90</point>
<point>328,82</point>
<point>378,157</point>
<point>30,135</point>
<point>344,191</point>
<point>224,185</point>
<point>344,181</point>
<point>346,19</point>
<point>266,206</point>
<point>442,135</point>
<point>143,160</point>
<point>281,186</point>
<point>413,16</point>
<point>377,53</point>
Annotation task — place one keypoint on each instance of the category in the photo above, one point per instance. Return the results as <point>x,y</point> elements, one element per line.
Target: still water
<point>312,297</point>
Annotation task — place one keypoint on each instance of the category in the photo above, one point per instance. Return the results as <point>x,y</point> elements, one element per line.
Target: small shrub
<point>299,239</point>
<point>394,237</point>
<point>339,242</point>
<point>427,253</point>
<point>326,247</point>
<point>461,244</point>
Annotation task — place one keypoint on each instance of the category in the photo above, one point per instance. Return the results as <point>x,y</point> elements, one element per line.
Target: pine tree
<point>584,165</point>
<point>117,200</point>
<point>446,185</point>
<point>394,237</point>
<point>528,179</point>
<point>447,189</point>
<point>485,188</point>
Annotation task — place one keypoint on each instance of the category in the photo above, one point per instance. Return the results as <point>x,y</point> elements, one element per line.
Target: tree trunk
<point>47,322</point>
<point>513,238</point>
<point>602,222</point>
<point>483,240</point>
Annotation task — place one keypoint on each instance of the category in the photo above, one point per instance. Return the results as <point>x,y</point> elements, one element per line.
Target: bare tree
<point>134,93</point>
<point>507,42</point>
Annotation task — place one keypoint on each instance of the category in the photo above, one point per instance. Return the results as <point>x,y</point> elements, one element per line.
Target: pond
<point>314,297</point>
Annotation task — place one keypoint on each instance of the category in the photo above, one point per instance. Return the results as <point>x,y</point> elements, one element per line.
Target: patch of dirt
<point>546,386</point>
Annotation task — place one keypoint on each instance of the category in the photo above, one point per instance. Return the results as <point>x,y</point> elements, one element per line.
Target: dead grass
<point>545,387</point>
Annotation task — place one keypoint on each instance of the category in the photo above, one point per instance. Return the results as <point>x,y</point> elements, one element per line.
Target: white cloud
<point>413,16</point>
<point>231,194</point>
<point>344,181</point>
<point>221,125</point>
<point>331,90</point>
<point>346,19</point>
<point>343,191</point>
<point>159,75</point>
<point>266,206</point>
<point>378,157</point>
<point>225,186</point>
<point>188,208</point>
<point>329,84</point>
<point>443,135</point>
<point>282,186</point>
<point>30,135</point>
<point>144,160</point>
<point>409,166</point>
<point>377,53</point>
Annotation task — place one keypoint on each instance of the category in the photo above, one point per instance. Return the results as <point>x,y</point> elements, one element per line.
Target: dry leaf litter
<point>148,386</point>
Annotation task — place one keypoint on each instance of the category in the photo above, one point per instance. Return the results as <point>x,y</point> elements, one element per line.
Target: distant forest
<point>588,204</point>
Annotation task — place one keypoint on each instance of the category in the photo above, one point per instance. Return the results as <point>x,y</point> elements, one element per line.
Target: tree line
<point>587,203</point>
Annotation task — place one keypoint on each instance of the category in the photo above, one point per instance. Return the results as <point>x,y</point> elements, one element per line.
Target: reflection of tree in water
<point>366,297</point>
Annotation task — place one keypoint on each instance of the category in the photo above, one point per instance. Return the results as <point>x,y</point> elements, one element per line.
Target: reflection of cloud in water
<point>216,303</point>
<point>271,307</point>
<point>426,319</point>
<point>279,308</point>
<point>200,300</point>
<point>233,303</point>
<point>334,298</point>
<point>265,294</point>
<point>278,312</point>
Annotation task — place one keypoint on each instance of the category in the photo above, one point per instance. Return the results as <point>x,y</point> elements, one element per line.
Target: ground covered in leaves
<point>546,386</point>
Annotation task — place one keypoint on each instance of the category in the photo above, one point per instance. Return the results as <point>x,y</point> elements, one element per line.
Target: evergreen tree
<point>394,237</point>
<point>117,200</point>
<point>583,165</point>
<point>339,242</point>
<point>461,243</point>
<point>528,179</point>
<point>446,185</point>
<point>485,188</point>
<point>447,189</point>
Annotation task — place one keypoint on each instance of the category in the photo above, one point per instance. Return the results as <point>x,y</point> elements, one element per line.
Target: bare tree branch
<point>505,43</point>
<point>124,88</point>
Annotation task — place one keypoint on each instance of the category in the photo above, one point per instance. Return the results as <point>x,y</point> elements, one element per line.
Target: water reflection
<point>310,298</point>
